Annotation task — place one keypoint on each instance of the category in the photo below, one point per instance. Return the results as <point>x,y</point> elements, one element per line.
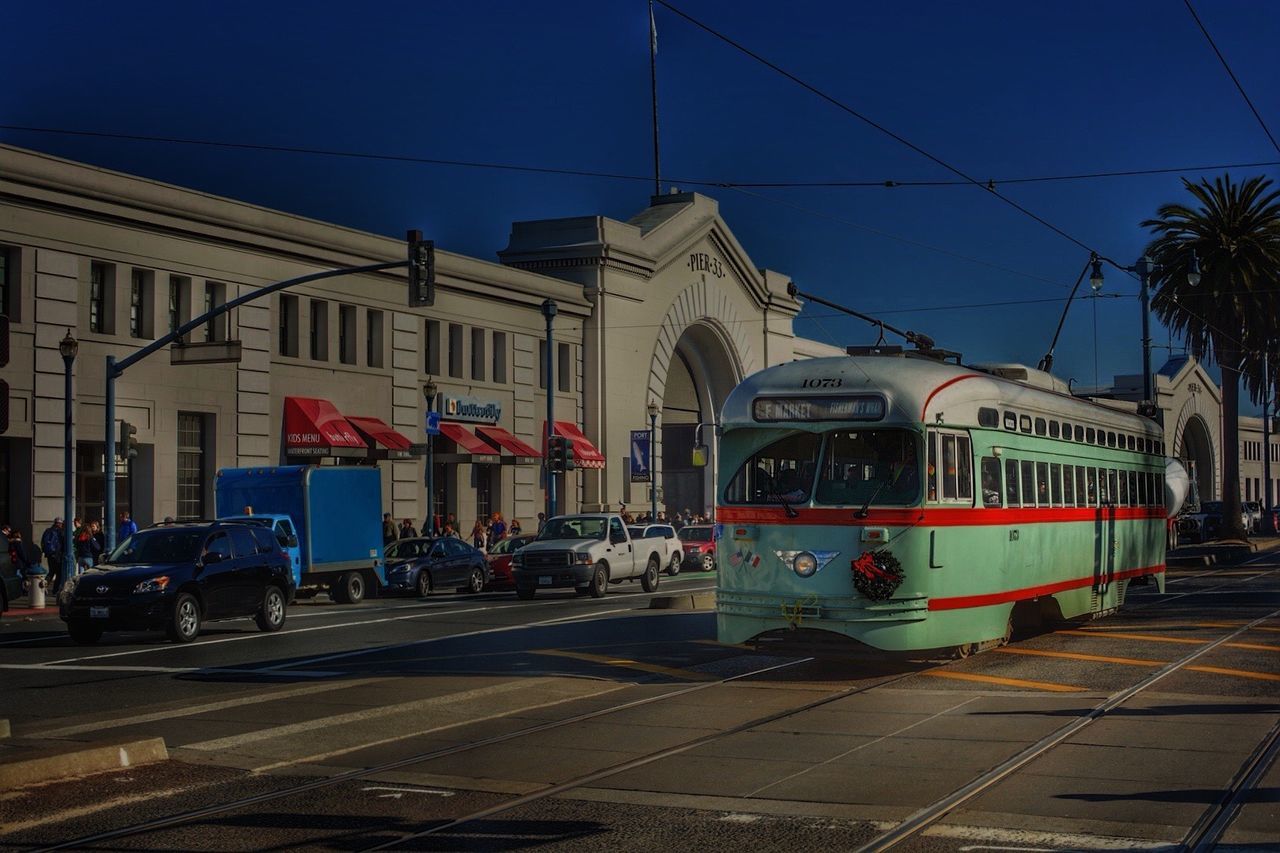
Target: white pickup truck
<point>587,552</point>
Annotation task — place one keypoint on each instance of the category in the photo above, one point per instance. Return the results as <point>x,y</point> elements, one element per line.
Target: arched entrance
<point>700,376</point>
<point>1196,454</point>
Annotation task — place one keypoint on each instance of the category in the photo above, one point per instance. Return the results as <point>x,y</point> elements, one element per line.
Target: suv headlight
<point>804,564</point>
<point>152,585</point>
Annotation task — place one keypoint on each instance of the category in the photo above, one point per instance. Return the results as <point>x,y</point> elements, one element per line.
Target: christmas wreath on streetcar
<point>877,575</point>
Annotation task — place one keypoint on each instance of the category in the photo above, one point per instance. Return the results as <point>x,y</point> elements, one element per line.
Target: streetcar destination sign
<point>863,408</point>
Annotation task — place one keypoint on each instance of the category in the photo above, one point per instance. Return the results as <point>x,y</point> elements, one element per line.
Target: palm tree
<point>1232,315</point>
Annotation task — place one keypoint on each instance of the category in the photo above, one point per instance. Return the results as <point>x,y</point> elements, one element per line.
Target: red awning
<point>508,442</point>
<point>376,431</point>
<point>584,452</point>
<point>313,427</point>
<point>467,440</point>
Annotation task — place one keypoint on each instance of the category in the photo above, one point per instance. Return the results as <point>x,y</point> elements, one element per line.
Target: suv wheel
<point>270,616</point>
<point>708,562</point>
<point>649,580</point>
<point>674,568</point>
<point>84,633</point>
<point>184,625</point>
<point>599,582</point>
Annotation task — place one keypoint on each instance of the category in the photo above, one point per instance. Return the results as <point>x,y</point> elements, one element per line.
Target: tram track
<point>1201,837</point>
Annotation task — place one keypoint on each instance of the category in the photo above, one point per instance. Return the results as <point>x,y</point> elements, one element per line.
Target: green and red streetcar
<point>911,504</point>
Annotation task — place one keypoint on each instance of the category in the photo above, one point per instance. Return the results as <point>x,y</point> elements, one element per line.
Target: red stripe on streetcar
<point>962,601</point>
<point>949,382</point>
<point>937,516</point>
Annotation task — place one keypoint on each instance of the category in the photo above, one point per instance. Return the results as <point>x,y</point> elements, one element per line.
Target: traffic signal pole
<point>549,312</point>
<point>116,368</point>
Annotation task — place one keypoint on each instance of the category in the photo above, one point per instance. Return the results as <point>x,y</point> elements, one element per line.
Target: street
<point>487,723</point>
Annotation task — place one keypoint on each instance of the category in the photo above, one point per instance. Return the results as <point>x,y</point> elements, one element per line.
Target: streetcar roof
<point>920,390</point>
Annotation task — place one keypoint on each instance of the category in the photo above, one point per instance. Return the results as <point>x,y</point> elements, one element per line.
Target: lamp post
<point>653,472</point>
<point>68,347</point>
<point>549,312</point>
<point>1143,268</point>
<point>429,476</point>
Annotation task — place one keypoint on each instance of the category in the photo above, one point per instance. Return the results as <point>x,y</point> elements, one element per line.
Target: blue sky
<point>999,89</point>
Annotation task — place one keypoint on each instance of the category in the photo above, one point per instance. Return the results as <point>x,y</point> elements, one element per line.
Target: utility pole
<point>1268,521</point>
<point>549,312</point>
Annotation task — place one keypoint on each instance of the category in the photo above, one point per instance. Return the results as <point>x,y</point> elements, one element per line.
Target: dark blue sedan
<point>423,565</point>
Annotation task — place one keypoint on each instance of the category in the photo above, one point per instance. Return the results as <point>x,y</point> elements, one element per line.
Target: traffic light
<point>127,446</point>
<point>422,271</point>
<point>566,455</point>
<point>560,454</point>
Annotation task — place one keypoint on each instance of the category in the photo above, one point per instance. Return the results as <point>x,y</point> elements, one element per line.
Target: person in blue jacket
<point>127,527</point>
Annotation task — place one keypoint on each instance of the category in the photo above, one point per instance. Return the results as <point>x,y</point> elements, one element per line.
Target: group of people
<point>88,544</point>
<point>485,533</point>
<point>678,520</point>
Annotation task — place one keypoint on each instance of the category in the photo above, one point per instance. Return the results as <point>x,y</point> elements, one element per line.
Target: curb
<point>81,762</point>
<point>687,601</point>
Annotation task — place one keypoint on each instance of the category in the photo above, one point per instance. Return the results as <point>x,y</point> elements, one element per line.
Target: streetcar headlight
<point>804,564</point>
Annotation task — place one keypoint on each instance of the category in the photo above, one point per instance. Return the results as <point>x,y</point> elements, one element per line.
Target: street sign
<point>640,449</point>
<point>433,422</point>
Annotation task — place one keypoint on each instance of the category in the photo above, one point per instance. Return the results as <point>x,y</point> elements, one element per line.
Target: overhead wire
<point>1230,73</point>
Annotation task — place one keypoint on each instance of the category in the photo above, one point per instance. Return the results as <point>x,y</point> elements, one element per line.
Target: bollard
<point>35,589</point>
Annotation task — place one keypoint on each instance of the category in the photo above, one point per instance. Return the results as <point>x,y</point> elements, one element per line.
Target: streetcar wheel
<point>963,651</point>
<point>599,582</point>
<point>649,581</point>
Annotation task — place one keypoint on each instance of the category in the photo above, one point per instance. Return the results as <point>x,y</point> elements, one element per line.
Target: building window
<point>431,348</point>
<point>139,298</point>
<point>542,364</point>
<point>455,350</point>
<point>176,285</point>
<point>565,379</point>
<point>477,354</point>
<point>215,294</point>
<point>319,330</point>
<point>6,283</point>
<point>347,334</point>
<point>90,488</point>
<point>373,340</point>
<point>500,358</point>
<point>192,448</point>
<point>288,333</point>
<point>100,279</point>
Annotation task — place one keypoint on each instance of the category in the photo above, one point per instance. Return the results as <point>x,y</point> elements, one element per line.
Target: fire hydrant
<point>35,587</point>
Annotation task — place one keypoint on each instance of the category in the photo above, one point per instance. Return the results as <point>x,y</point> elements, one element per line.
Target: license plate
<point>545,580</point>
<point>99,612</point>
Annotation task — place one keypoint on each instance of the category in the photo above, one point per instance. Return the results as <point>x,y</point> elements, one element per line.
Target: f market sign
<point>471,410</point>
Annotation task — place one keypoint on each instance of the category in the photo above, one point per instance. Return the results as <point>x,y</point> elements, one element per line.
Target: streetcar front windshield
<point>869,466</point>
<point>779,473</point>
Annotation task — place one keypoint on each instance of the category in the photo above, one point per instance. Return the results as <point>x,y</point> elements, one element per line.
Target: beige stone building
<point>666,307</point>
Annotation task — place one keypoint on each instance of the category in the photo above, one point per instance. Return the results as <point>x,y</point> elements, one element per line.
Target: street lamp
<point>653,472</point>
<point>1143,268</point>
<point>68,347</point>
<point>429,391</point>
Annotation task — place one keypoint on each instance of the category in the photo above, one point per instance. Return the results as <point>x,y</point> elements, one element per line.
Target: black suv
<point>178,576</point>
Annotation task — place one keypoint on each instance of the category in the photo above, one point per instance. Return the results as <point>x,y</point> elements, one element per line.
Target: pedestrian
<point>127,527</point>
<point>515,528</point>
<point>248,510</point>
<point>407,530</point>
<point>53,545</point>
<point>542,521</point>
<point>83,544</point>
<point>388,529</point>
<point>99,547</point>
<point>449,531</point>
<point>479,534</point>
<point>497,528</point>
<point>18,552</point>
<point>168,519</point>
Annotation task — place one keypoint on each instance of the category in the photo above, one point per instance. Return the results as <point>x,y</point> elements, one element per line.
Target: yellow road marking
<point>1237,625</point>
<point>627,663</point>
<point>1242,673</point>
<point>1186,641</point>
<point>1013,650</point>
<point>1008,682</point>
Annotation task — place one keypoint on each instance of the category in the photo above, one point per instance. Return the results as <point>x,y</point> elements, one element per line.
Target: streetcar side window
<point>1028,483</point>
<point>988,417</point>
<point>1088,435</point>
<point>1123,499</point>
<point>1042,483</point>
<point>1112,485</point>
<point>1024,423</point>
<point>1066,430</point>
<point>964,468</point>
<point>1010,421</point>
<point>1011,483</point>
<point>948,471</point>
<point>1053,429</point>
<point>1092,492</point>
<point>932,439</point>
<point>780,472</point>
<point>1079,432</point>
<point>1082,494</point>
<point>990,481</point>
<point>1111,439</point>
<point>1144,489</point>
<point>1055,483</point>
<point>1133,443</point>
<point>1068,485</point>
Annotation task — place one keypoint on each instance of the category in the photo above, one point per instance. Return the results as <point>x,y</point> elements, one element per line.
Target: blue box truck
<point>337,515</point>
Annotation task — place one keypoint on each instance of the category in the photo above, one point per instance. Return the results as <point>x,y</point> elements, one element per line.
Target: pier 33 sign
<point>471,409</point>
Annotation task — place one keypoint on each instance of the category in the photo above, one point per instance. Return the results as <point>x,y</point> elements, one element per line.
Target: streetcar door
<point>949,480</point>
<point>1109,496</point>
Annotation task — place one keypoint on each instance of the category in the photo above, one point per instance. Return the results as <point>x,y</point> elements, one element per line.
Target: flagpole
<point>653,87</point>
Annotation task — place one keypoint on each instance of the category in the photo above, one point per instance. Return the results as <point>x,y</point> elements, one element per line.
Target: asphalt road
<point>486,723</point>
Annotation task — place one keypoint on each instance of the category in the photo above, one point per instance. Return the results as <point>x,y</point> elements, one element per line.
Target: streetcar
<point>896,502</point>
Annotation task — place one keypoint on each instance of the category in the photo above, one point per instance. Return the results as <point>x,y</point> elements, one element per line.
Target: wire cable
<point>1230,74</point>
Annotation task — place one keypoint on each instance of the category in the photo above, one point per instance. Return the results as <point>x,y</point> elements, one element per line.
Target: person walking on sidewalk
<point>407,530</point>
<point>53,546</point>
<point>389,534</point>
<point>127,527</point>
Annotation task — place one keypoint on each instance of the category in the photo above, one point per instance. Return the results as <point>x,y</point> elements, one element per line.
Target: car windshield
<point>695,534</point>
<point>407,548</point>
<point>574,527</point>
<point>162,545</point>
